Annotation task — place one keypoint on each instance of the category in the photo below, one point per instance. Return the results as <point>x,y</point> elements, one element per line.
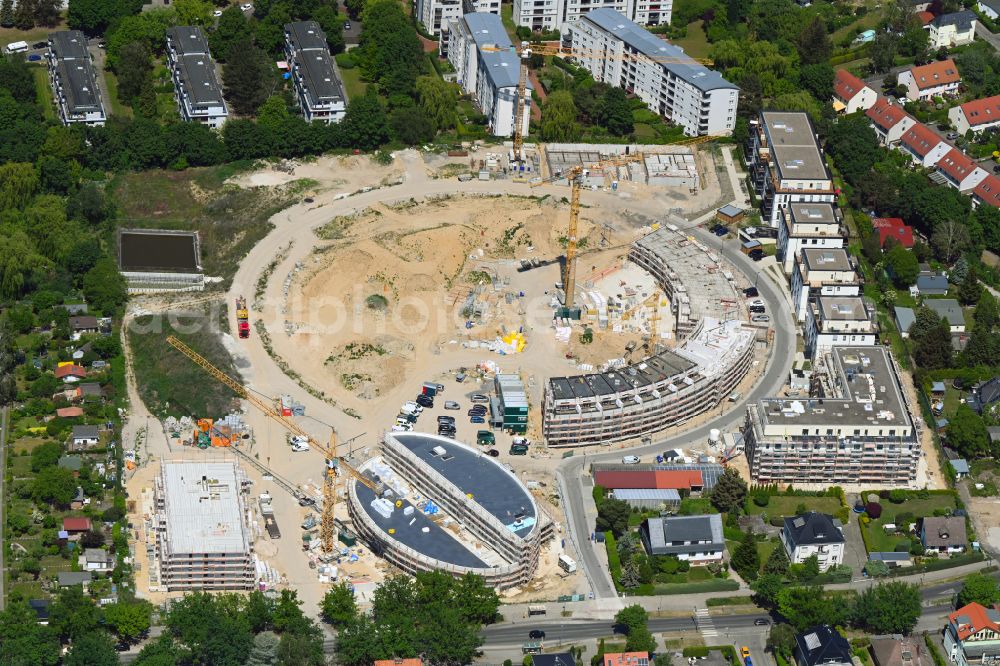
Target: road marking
<point>703,621</point>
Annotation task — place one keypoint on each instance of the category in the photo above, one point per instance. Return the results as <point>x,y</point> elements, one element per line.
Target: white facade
<point>829,555</point>
<point>686,93</point>
<point>436,15</point>
<point>73,79</point>
<point>488,68</point>
<point>318,89</point>
<point>838,322</point>
<point>989,8</point>
<point>196,87</point>
<point>978,115</point>
<point>950,30</point>
<point>923,146</point>
<point>889,121</point>
<point>822,273</point>
<point>807,226</point>
<point>938,79</point>
<point>851,94</point>
<point>556,14</point>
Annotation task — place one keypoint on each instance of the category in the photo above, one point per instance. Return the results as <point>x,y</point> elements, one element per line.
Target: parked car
<point>630,460</point>
<point>477,419</point>
<point>460,377</point>
<point>451,404</point>
<point>246,7</point>
<point>756,309</point>
<point>480,397</point>
<point>34,57</point>
<point>744,652</point>
<point>996,168</point>
<point>402,428</point>
<point>720,230</point>
<point>446,419</point>
<point>750,292</point>
<point>760,318</point>
<point>425,401</point>
<point>40,45</point>
<point>756,301</point>
<point>951,136</point>
<point>477,412</point>
<point>300,446</point>
<point>217,13</point>
<point>756,255</point>
<point>347,25</point>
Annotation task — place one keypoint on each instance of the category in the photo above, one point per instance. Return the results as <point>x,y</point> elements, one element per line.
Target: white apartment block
<point>557,14</point>
<point>855,428</point>
<point>819,273</point>
<point>73,79</point>
<point>318,89</point>
<point>682,91</point>
<point>436,15</point>
<point>785,163</point>
<point>488,68</point>
<point>196,86</point>
<point>833,321</point>
<point>807,225</point>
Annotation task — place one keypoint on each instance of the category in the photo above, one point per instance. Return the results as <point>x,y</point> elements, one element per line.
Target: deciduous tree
<point>814,43</point>
<point>439,100</point>
<point>933,349</point>
<point>615,112</point>
<point>806,607</point>
<point>888,608</point>
<point>128,620</point>
<point>247,78</point>
<point>979,588</point>
<point>559,117</point>
<point>967,433</point>
<point>92,649</point>
<point>613,516</point>
<point>24,642</point>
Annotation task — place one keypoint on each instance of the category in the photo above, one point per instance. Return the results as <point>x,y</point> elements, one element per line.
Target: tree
<point>612,516</point>
<point>640,640</point>
<point>92,649</point>
<point>777,562</point>
<point>212,632</point>
<point>806,607</point>
<point>45,455</point>
<point>903,266</point>
<point>273,112</point>
<point>338,606</point>
<point>818,79</point>
<point>814,43</point>
<point>355,646</point>
<point>979,588</point>
<point>559,117</point>
<point>94,16</point>
<point>478,601</point>
<point>781,639</point>
<point>987,313</point>
<point>104,287</point>
<point>231,31</point>
<point>134,70</point>
<point>746,559</point>
<point>970,290</point>
<point>162,651</point>
<point>389,51</point>
<point>301,649</point>
<point>265,649</point>
<point>730,491</point>
<point>73,615</point>
<point>950,239</point>
<point>128,620</point>
<point>333,27</point>
<point>54,485</point>
<point>631,618</point>
<point>933,349</point>
<point>246,79</point>
<point>439,100</point>
<point>888,608</point>
<point>354,8</point>
<point>615,112</point>
<point>412,126</point>
<point>924,321</point>
<point>24,642</point>
<point>7,14</point>
<point>967,433</point>
<point>365,124</point>
<point>883,51</point>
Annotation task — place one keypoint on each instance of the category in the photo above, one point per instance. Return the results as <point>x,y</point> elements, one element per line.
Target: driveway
<point>991,38</point>
<point>855,555</point>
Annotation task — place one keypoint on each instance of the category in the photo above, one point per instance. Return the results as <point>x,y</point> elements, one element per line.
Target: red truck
<point>242,317</point>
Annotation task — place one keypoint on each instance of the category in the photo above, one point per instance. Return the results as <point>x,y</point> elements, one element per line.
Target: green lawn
<point>353,84</point>
<point>117,108</point>
<point>786,506</point>
<point>696,43</point>
<point>43,93</point>
<point>507,17</point>
<point>877,538</point>
<point>869,20</point>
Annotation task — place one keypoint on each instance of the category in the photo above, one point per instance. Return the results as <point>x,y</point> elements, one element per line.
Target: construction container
<point>347,539</point>
<point>429,389</point>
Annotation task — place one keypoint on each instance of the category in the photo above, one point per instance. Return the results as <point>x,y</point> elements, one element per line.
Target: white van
<point>16,47</point>
<point>630,460</point>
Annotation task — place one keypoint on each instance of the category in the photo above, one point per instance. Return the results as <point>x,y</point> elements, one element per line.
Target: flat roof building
<point>501,529</point>
<point>855,428</point>
<point>154,260</point>
<point>318,88</point>
<point>839,320</point>
<point>785,163</point>
<point>548,15</point>
<point>822,272</point>
<point>73,79</point>
<point>202,530</point>
<point>807,225</point>
<point>670,82</point>
<point>196,85</point>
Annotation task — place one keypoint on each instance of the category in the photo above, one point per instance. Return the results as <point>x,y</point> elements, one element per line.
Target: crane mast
<point>332,460</point>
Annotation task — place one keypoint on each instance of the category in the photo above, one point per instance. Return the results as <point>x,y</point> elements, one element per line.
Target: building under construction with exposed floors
<point>203,533</point>
<point>855,428</point>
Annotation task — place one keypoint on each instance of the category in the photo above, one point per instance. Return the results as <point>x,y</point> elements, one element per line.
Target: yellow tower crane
<point>527,50</point>
<point>333,461</point>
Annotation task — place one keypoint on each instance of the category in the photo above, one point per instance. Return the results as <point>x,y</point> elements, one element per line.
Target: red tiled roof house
<point>977,115</point>
<point>934,79</point>
<point>987,192</point>
<point>889,121</point>
<point>851,94</point>
<point>959,171</point>
<point>973,635</point>
<point>895,228</point>
<point>923,146</point>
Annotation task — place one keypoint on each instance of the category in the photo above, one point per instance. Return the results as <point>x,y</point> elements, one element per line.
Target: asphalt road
<point>571,472</point>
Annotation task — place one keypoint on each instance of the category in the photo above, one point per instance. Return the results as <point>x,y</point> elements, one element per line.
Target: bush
<point>897,495</point>
<point>346,60</point>
<point>761,499</point>
<point>874,510</point>
<point>696,652</point>
<point>377,302</point>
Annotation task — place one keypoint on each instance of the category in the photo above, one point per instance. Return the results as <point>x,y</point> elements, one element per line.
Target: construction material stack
<point>242,317</point>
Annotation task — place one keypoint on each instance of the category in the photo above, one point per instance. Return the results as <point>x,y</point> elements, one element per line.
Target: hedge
<point>729,601</point>
<point>614,562</point>
<point>714,585</point>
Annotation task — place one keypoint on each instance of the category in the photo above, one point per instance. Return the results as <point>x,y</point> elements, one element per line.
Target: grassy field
<point>696,43</point>
<point>170,384</point>
<point>876,536</point>
<point>43,93</point>
<point>117,108</point>
<point>786,506</point>
<point>229,220</point>
<point>353,85</point>
<point>8,35</point>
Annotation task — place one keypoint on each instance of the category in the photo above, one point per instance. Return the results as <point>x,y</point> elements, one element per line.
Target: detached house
<point>973,635</point>
<point>851,94</point>
<point>935,79</point>
<point>697,539</point>
<point>943,535</point>
<point>987,192</point>
<point>822,646</point>
<point>813,534</point>
<point>953,29</point>
<point>889,121</point>
<point>83,437</point>
<point>70,373</point>
<point>894,228</point>
<point>977,115</point>
<point>989,8</point>
<point>923,146</point>
<point>959,171</point>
